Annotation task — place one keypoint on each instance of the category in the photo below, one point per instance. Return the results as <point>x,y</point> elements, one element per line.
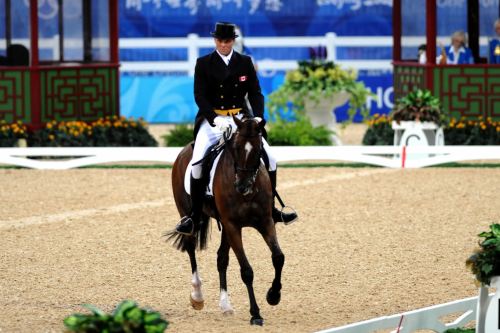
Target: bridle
<point>253,170</point>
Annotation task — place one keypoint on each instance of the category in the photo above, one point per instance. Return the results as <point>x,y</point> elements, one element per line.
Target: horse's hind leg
<point>234,238</point>
<point>274,293</point>
<point>197,301</point>
<point>222,263</point>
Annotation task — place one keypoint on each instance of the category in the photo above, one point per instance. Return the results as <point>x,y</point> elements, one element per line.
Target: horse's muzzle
<point>244,187</point>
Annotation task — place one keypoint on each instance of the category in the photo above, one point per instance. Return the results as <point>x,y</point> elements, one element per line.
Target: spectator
<point>494,45</point>
<point>421,55</point>
<point>457,53</point>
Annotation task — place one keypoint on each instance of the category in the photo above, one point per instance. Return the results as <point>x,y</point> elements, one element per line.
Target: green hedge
<point>280,133</point>
<point>298,133</point>
<point>179,136</point>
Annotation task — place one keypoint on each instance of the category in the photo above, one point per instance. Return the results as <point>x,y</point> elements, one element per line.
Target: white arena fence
<point>384,156</point>
<point>193,43</point>
<point>429,318</point>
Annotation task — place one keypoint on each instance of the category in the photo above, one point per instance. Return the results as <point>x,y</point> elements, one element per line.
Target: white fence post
<point>55,48</point>
<point>331,48</point>
<point>193,52</point>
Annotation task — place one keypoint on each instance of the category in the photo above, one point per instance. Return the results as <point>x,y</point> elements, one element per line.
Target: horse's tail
<point>199,238</point>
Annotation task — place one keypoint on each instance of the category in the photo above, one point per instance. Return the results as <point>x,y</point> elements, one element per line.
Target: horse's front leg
<point>269,234</point>
<point>197,301</point>
<point>233,235</point>
<point>222,263</point>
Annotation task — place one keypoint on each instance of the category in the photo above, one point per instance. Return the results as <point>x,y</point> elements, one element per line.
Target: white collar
<point>227,58</point>
<point>460,50</point>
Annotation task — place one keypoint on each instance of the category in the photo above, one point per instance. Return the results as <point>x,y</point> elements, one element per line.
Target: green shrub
<point>298,133</point>
<point>460,330</point>
<point>484,263</point>
<point>11,133</point>
<point>179,136</point>
<point>126,318</point>
<point>379,131</point>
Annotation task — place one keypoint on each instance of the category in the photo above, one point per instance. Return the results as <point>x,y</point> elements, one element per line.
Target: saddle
<point>209,164</point>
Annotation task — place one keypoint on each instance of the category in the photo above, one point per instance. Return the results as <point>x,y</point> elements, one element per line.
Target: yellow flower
<point>319,73</point>
<point>294,76</point>
<point>51,137</point>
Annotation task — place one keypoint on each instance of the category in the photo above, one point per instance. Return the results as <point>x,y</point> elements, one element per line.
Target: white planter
<point>416,133</point>
<point>488,310</point>
<point>22,143</point>
<point>322,112</point>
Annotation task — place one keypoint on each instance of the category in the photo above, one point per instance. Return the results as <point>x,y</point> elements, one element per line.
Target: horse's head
<point>247,152</point>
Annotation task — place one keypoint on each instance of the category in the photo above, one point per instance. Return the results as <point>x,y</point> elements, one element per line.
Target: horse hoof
<point>272,297</point>
<point>197,305</point>
<point>257,321</point>
<point>228,312</point>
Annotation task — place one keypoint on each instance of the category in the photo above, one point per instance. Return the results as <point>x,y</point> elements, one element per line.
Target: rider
<point>222,80</point>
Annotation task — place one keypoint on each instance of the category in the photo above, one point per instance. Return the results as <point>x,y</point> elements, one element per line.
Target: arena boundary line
<point>385,156</point>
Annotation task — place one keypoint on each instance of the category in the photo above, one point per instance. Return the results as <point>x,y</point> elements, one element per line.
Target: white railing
<point>385,156</point>
<point>192,43</point>
<point>422,319</point>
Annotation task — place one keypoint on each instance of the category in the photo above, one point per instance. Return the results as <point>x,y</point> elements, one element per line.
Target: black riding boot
<point>188,224</point>
<point>279,216</point>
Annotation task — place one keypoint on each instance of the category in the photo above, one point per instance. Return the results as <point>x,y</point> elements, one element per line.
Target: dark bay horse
<point>242,198</point>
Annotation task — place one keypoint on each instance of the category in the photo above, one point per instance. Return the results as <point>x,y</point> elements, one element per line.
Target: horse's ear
<point>237,121</point>
<point>260,121</point>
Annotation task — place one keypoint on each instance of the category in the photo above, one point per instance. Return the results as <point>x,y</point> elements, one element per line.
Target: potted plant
<point>417,119</point>
<point>419,105</point>
<point>317,87</point>
<point>485,261</point>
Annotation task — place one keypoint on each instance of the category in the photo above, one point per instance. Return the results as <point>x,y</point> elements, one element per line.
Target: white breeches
<point>208,135</point>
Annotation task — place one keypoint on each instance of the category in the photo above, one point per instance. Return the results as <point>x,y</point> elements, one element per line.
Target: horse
<point>242,197</point>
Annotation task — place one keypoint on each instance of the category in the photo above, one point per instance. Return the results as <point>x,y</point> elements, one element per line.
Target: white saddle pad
<point>187,177</point>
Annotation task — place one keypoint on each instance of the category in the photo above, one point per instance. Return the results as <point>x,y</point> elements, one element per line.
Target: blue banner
<point>140,18</point>
<point>169,99</point>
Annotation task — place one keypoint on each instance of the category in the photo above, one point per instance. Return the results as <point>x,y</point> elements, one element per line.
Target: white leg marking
<point>248,149</point>
<point>196,294</point>
<point>224,303</point>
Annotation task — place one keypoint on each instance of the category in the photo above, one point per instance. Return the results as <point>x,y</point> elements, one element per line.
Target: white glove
<point>221,123</point>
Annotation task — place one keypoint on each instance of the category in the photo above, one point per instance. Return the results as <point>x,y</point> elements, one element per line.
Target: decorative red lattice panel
<point>408,78</point>
<point>469,91</point>
<point>14,95</point>
<point>81,93</point>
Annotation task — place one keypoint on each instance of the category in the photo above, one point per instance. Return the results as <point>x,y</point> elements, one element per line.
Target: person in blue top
<point>457,53</point>
<point>494,45</point>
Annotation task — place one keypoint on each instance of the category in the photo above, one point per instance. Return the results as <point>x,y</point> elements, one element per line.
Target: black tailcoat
<point>221,87</point>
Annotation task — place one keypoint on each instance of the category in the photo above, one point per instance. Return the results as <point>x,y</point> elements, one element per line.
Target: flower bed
<point>10,134</point>
<point>105,132</point>
<point>456,131</point>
